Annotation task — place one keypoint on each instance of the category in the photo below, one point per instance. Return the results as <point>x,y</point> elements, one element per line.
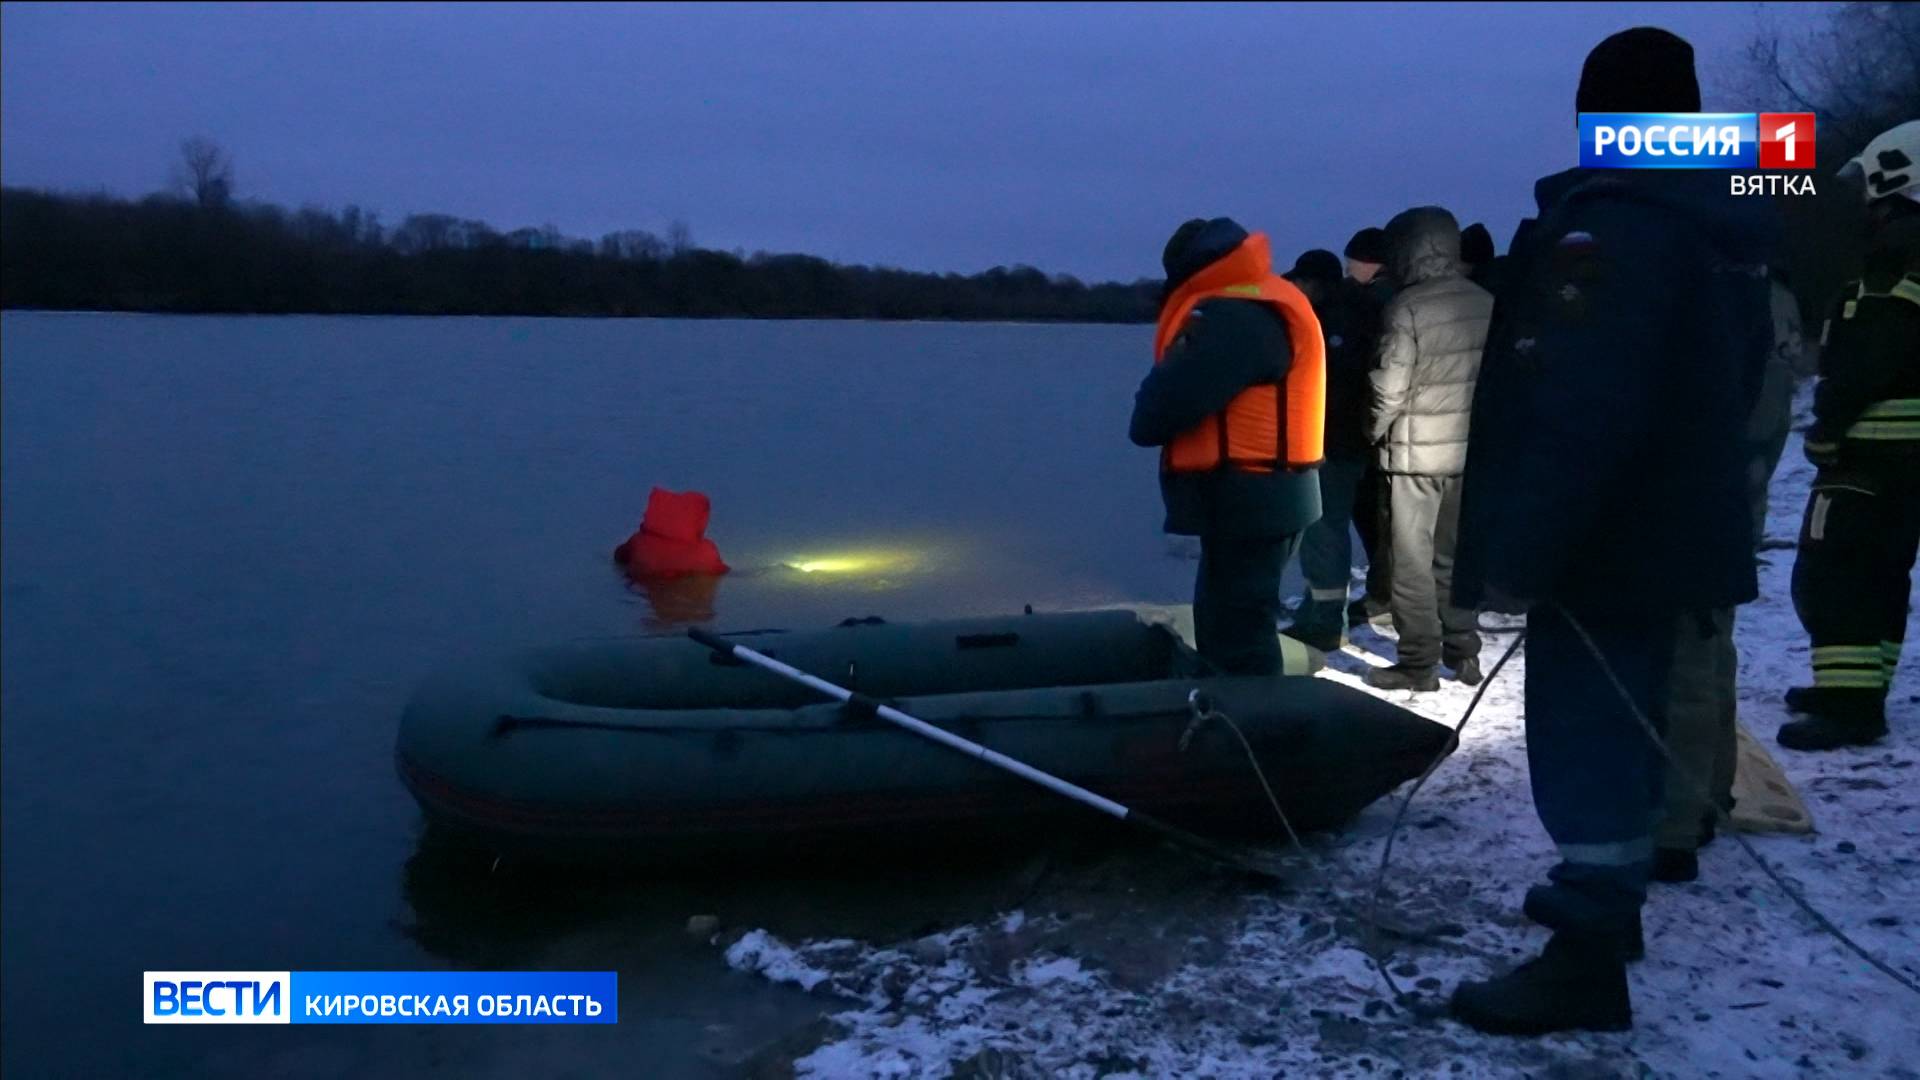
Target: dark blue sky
<point>952,138</point>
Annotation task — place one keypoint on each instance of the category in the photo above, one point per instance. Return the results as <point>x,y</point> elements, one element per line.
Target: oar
<point>868,706</point>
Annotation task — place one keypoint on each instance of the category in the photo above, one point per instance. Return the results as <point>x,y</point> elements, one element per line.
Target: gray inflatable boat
<point>659,751</point>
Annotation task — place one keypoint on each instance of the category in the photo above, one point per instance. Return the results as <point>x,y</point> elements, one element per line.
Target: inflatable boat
<point>659,751</point>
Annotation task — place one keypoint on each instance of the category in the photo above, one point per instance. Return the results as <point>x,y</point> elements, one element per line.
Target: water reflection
<point>474,910</point>
<point>677,603</point>
<point>673,603</point>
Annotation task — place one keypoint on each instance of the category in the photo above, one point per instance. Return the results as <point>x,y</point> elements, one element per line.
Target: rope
<point>1204,711</point>
<point>1372,948</point>
<point>1332,867</point>
<point>1646,726</point>
<point>1724,818</point>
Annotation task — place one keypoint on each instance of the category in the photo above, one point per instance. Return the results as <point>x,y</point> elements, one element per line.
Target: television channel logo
<point>1697,140</point>
<point>381,997</point>
<point>1786,140</point>
<point>218,997</point>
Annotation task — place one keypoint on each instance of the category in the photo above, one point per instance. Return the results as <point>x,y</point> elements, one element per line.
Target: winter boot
<point>1467,671</point>
<point>1808,699</point>
<point>1675,865</point>
<point>1399,677</point>
<point>1326,643</point>
<point>1573,985</point>
<point>1710,824</point>
<point>1366,611</point>
<point>1859,718</point>
<point>1626,939</point>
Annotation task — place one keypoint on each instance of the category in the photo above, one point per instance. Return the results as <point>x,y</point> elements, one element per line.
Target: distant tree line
<point>196,249</point>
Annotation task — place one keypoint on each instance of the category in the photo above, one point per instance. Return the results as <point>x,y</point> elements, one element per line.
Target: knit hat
<point>1177,243</point>
<point>1318,264</point>
<point>1369,245</point>
<point>1476,245</point>
<point>1645,69</point>
<point>1196,244</point>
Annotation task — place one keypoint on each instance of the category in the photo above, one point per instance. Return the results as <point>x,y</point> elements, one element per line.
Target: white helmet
<point>1890,165</point>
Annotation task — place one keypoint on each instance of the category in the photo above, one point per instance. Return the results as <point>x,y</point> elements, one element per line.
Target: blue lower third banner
<point>381,997</point>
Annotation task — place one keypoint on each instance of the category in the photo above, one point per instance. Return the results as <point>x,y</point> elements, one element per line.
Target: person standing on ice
<point>1606,494</point>
<point>1326,549</point>
<point>1476,252</point>
<point>1369,288</point>
<point>1857,544</point>
<point>1236,401</point>
<point>1429,358</point>
<point>1703,691</point>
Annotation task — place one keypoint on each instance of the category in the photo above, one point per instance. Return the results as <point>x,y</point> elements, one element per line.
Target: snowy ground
<point>1142,965</point>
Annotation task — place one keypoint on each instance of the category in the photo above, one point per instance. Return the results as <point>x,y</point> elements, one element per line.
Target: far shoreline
<point>581,317</point>
<point>216,256</point>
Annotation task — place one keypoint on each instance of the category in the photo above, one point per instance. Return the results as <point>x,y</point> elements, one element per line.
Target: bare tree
<point>1859,71</point>
<point>362,227</point>
<point>427,232</point>
<point>474,233</point>
<point>633,245</point>
<point>205,172</point>
<point>315,227</point>
<point>679,237</point>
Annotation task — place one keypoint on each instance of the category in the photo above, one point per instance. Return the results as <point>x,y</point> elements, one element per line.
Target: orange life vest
<point>672,540</point>
<point>1268,424</point>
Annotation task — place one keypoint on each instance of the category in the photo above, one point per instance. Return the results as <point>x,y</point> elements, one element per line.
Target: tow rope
<point>1686,774</point>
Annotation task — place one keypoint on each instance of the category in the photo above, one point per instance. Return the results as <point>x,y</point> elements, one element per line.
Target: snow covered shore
<point>1147,967</point>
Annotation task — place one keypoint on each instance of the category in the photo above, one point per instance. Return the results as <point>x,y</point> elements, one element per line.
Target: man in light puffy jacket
<point>1430,343</point>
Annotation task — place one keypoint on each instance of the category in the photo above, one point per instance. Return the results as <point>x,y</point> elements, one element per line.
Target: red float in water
<point>672,539</point>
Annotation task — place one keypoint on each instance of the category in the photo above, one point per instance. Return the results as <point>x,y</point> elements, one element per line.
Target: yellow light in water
<point>869,562</point>
<point>830,566</point>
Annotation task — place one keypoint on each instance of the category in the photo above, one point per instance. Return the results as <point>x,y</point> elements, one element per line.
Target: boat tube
<point>659,751</point>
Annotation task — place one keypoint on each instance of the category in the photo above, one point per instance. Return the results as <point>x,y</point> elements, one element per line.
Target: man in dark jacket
<point>1369,289</point>
<point>1366,253</point>
<point>1430,343</point>
<point>1606,493</point>
<point>1476,251</point>
<point>1326,549</point>
<point>1703,687</point>
<point>1248,522</point>
<point>1851,582</point>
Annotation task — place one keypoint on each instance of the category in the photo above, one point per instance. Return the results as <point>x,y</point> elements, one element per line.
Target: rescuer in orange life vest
<point>1236,401</point>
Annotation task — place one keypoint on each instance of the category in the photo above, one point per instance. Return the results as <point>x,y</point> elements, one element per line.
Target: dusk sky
<point>1073,137</point>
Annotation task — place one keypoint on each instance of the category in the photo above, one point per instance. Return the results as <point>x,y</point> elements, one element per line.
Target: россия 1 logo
<point>1783,141</point>
<point>1786,140</point>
